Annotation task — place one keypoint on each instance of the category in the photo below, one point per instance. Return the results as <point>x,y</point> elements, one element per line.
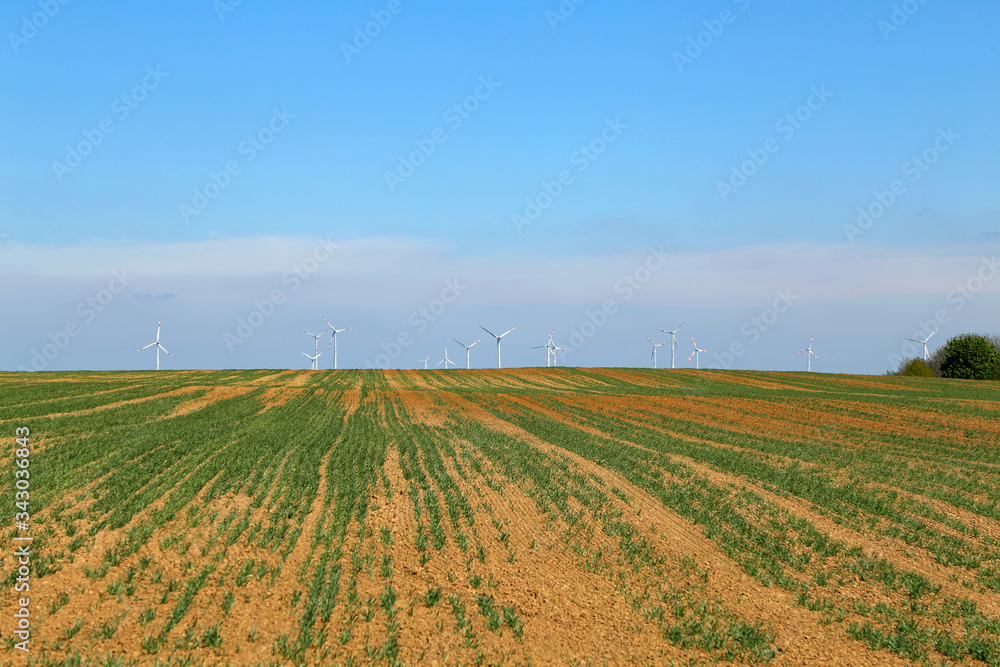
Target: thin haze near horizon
<point>764,172</point>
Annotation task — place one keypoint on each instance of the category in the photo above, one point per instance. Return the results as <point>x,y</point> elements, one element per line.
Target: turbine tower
<point>672,340</point>
<point>656,345</point>
<point>446,360</point>
<point>333,341</point>
<point>425,360</point>
<point>924,343</point>
<point>498,340</point>
<point>695,353</point>
<point>315,345</point>
<point>158,346</point>
<point>812,354</point>
<point>315,362</point>
<point>467,351</point>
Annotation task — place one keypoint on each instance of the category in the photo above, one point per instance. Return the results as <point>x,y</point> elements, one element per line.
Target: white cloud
<point>400,271</point>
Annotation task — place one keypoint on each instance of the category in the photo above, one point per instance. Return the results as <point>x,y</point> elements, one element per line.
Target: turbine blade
<point>507,332</point>
<point>143,348</point>
<point>488,331</point>
<point>165,350</point>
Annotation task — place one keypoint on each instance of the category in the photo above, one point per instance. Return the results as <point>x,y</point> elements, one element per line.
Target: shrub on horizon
<point>971,357</point>
<point>915,367</point>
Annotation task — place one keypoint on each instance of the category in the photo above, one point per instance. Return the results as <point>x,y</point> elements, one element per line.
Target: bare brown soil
<point>132,401</point>
<point>211,396</point>
<point>638,379</point>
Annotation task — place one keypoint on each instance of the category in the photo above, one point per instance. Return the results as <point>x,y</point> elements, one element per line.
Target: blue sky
<point>531,153</point>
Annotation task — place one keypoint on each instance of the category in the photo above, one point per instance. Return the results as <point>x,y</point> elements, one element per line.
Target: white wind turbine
<point>553,347</point>
<point>673,340</point>
<point>498,340</point>
<point>550,349</point>
<point>158,346</point>
<point>446,360</point>
<point>315,346</point>
<point>333,341</point>
<point>315,361</point>
<point>695,353</point>
<point>656,345</point>
<point>425,360</point>
<point>468,349</point>
<point>924,343</point>
<point>810,354</point>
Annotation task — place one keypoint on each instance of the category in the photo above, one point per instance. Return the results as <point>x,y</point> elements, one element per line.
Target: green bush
<point>971,357</point>
<point>915,367</point>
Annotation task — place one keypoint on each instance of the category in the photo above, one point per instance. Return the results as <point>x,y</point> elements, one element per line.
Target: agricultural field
<point>525,516</point>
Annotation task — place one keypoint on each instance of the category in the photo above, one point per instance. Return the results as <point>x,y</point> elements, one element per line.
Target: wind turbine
<point>446,360</point>
<point>498,340</point>
<point>333,341</point>
<point>672,340</point>
<point>468,348</point>
<point>549,349</point>
<point>554,347</point>
<point>656,345</point>
<point>812,354</point>
<point>695,353</point>
<point>924,343</point>
<point>158,346</point>
<point>315,346</point>
<point>425,360</point>
<point>315,363</point>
